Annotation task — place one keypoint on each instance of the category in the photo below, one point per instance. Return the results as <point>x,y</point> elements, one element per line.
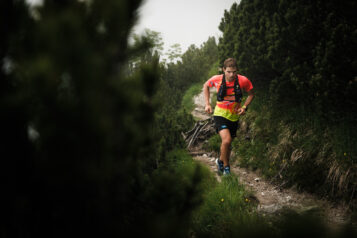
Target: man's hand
<point>241,111</point>
<point>208,109</point>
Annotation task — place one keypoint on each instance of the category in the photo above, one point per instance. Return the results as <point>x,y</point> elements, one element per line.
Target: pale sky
<point>185,22</point>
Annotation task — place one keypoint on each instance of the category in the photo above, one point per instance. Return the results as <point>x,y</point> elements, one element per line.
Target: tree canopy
<point>305,49</point>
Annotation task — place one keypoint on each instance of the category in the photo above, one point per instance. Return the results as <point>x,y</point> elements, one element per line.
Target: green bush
<point>187,100</point>
<point>214,143</point>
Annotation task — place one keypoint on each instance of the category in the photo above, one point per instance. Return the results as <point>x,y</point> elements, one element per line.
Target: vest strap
<point>222,92</point>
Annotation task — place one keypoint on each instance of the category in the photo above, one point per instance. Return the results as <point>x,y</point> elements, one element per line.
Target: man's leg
<point>225,146</point>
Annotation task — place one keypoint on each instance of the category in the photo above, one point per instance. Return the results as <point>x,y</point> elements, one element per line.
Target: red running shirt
<point>228,108</point>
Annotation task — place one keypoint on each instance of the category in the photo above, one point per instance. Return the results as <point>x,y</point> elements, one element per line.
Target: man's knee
<point>226,142</point>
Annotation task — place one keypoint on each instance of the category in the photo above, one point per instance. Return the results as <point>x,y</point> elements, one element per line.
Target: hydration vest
<point>223,90</point>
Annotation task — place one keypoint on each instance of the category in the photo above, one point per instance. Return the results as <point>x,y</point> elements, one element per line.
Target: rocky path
<point>271,198</point>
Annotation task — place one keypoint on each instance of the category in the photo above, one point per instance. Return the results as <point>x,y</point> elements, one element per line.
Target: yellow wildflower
<point>222,200</point>
<point>345,154</point>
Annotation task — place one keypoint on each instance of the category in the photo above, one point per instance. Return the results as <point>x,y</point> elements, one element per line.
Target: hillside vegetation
<point>301,57</point>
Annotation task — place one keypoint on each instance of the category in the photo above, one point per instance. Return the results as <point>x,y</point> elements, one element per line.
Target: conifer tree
<point>79,155</point>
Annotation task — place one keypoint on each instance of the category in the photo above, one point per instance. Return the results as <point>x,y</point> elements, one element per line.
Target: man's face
<point>230,73</point>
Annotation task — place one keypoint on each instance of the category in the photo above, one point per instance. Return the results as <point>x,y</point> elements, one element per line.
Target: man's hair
<point>230,62</point>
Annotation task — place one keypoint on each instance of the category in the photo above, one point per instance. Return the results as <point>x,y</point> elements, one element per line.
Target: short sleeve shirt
<point>228,108</point>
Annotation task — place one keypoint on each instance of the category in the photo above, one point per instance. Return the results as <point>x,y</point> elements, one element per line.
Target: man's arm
<point>249,98</point>
<point>206,93</point>
<point>241,111</point>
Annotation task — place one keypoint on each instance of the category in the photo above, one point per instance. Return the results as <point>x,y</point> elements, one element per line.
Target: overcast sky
<point>183,21</point>
<point>180,21</point>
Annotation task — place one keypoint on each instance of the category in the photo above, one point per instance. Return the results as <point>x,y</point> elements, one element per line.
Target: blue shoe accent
<point>227,170</point>
<point>219,164</point>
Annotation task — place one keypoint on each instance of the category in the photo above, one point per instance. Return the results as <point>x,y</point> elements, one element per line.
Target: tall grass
<point>227,211</point>
<point>299,147</point>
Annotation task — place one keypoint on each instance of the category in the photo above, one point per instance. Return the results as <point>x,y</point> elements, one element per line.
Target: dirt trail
<point>271,198</point>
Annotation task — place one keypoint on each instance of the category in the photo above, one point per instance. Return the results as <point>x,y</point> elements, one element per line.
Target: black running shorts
<point>223,123</point>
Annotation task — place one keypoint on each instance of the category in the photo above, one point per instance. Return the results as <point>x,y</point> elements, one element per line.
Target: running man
<point>228,109</point>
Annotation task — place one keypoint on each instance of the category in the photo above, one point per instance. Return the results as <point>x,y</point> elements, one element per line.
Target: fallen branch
<point>202,130</point>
